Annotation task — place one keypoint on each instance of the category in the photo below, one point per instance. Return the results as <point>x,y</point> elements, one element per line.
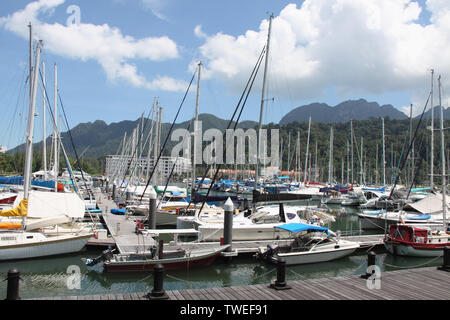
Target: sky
<point>115,56</point>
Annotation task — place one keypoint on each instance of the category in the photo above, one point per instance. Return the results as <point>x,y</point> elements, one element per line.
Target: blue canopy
<point>296,227</point>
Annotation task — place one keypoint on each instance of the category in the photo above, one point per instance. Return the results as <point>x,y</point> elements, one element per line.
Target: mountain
<point>437,114</point>
<point>97,139</point>
<point>343,112</point>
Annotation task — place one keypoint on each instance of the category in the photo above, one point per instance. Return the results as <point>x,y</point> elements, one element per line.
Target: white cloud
<point>102,43</point>
<point>357,47</point>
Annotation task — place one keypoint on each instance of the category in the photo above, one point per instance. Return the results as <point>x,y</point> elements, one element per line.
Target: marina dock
<point>124,237</point>
<point>412,284</point>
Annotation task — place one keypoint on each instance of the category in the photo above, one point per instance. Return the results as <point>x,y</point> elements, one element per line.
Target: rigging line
<point>418,165</point>
<point>229,122</point>
<point>235,125</point>
<point>9,128</point>
<point>71,140</point>
<point>134,152</point>
<point>167,137</point>
<point>171,173</point>
<point>55,126</point>
<point>410,145</point>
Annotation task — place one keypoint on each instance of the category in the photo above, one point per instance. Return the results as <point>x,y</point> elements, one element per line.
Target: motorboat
<point>174,259</point>
<point>310,244</point>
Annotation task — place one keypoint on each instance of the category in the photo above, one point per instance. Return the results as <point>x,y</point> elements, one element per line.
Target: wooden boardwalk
<point>412,284</point>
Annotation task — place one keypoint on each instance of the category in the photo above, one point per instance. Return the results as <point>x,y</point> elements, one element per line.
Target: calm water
<point>48,277</point>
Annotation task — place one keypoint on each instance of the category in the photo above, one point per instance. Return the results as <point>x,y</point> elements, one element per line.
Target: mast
<point>444,202</point>
<point>156,149</point>
<point>30,126</point>
<point>384,153</point>
<point>330,163</point>
<point>55,128</point>
<point>194,151</point>
<point>44,145</point>
<point>361,178</point>
<point>316,173</point>
<point>376,166</point>
<point>351,144</point>
<point>289,153</point>
<point>348,163</point>
<point>432,133</point>
<point>266,63</point>
<point>307,150</point>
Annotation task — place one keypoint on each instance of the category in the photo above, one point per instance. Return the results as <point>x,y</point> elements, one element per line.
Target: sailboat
<point>19,241</point>
<point>410,240</point>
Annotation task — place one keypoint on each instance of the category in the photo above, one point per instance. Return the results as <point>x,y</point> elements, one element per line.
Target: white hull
<point>320,254</point>
<point>16,246</point>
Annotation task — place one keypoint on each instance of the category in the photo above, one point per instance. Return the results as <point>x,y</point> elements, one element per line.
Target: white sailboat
<point>17,242</point>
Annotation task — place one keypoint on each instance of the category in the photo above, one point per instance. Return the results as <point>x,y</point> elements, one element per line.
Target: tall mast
<point>444,202</point>
<point>44,145</point>
<point>361,178</point>
<point>384,153</point>
<point>31,60</point>
<point>432,133</point>
<point>156,149</point>
<point>266,63</point>
<point>348,164</point>
<point>351,144</point>
<point>30,126</point>
<point>330,163</point>
<point>194,151</point>
<point>289,152</point>
<point>316,173</point>
<point>55,128</point>
<point>307,150</point>
<point>376,166</point>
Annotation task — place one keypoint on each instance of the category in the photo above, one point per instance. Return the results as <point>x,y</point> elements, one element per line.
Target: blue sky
<point>124,53</point>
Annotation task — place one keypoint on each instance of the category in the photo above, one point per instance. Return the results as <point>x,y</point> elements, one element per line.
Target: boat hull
<point>414,251</point>
<point>195,261</point>
<point>296,258</point>
<point>42,248</point>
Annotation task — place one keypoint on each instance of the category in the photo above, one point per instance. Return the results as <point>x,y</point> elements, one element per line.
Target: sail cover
<point>430,204</point>
<point>20,209</point>
<point>42,204</point>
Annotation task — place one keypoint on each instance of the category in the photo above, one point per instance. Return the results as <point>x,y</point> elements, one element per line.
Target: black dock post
<point>158,292</point>
<point>13,285</point>
<point>446,264</point>
<point>228,224</point>
<point>371,257</point>
<point>280,282</point>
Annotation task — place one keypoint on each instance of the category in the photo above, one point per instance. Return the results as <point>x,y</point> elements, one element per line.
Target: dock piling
<point>228,224</point>
<point>280,282</point>
<point>158,292</point>
<point>371,258</point>
<point>152,210</point>
<point>446,264</point>
<point>13,278</point>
